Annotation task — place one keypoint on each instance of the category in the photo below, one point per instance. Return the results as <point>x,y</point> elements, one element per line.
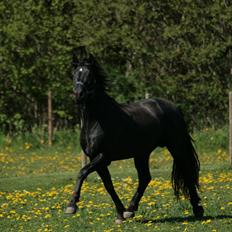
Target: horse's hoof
<point>71,210</point>
<point>119,221</point>
<point>128,214</point>
<point>198,211</point>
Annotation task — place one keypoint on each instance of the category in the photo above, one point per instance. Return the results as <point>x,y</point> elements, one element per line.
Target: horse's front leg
<point>106,178</point>
<point>96,163</point>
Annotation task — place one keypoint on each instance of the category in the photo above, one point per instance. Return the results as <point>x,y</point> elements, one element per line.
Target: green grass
<point>37,181</point>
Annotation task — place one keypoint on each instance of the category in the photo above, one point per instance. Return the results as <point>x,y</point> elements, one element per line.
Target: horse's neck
<point>98,111</point>
<point>87,115</point>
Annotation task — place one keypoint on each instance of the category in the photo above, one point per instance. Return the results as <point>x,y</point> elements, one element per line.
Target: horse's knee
<point>82,174</point>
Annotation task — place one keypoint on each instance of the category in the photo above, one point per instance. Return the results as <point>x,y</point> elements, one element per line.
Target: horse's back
<point>157,109</point>
<point>159,119</point>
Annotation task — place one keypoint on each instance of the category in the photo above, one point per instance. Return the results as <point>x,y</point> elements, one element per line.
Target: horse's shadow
<point>183,219</point>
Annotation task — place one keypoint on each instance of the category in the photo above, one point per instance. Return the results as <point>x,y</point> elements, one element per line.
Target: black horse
<point>112,131</point>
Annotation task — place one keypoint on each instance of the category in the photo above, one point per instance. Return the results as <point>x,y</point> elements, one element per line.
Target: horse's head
<point>84,75</point>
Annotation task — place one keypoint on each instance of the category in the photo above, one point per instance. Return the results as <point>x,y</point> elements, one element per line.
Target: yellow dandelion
<point>206,222</point>
<point>48,216</point>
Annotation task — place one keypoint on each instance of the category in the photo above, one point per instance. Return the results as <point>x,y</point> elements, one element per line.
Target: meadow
<point>37,181</point>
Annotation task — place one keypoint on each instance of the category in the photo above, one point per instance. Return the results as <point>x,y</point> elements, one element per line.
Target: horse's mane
<point>101,78</point>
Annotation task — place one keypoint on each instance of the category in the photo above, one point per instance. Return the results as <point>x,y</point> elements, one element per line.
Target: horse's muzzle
<point>79,91</point>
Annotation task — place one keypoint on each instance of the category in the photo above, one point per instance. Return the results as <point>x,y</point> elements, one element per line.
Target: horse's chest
<point>91,141</point>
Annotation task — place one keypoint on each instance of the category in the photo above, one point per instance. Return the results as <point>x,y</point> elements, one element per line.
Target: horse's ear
<point>75,59</point>
<point>79,54</point>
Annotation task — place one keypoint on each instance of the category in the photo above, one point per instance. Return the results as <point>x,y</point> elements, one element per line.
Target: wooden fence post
<point>230,127</point>
<point>147,95</point>
<point>50,119</point>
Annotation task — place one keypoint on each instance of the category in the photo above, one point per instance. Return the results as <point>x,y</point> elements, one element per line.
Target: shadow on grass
<point>183,219</point>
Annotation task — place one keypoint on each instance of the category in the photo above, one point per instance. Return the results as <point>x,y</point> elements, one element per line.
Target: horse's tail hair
<point>186,167</point>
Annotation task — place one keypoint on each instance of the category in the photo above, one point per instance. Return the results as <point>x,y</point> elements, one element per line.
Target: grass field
<point>36,183</point>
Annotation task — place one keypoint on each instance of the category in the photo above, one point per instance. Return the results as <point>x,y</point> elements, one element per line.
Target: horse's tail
<point>186,167</point>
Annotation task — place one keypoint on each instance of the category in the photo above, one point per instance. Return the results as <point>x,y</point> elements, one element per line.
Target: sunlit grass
<point>36,184</point>
<point>44,207</point>
<point>34,163</point>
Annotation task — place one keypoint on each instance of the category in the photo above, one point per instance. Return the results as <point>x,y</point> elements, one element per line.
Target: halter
<point>88,89</point>
<point>80,83</point>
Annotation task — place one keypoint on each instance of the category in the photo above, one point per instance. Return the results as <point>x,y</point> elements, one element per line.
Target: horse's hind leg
<point>195,201</point>
<point>142,166</point>
<point>185,174</point>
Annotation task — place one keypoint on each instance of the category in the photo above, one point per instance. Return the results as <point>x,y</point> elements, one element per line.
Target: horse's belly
<point>129,149</point>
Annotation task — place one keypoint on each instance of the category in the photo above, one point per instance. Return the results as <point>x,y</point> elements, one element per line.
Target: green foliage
<point>210,140</point>
<point>179,50</point>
